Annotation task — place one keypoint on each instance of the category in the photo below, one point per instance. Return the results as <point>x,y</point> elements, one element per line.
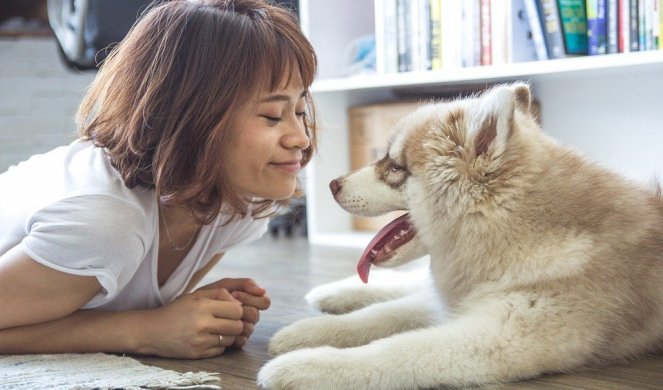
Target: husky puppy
<point>540,260</point>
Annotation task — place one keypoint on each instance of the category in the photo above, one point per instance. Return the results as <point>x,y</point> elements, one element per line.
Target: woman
<point>196,124</point>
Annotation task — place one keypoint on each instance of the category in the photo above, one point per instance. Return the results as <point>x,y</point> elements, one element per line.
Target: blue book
<point>597,29</point>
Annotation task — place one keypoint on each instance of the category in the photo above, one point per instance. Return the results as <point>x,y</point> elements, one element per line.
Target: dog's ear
<point>496,114</point>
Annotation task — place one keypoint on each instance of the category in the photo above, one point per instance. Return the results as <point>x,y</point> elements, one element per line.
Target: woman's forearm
<point>188,328</point>
<point>83,331</point>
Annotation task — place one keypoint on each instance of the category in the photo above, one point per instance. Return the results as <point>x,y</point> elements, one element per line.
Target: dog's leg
<point>350,294</point>
<point>360,327</point>
<point>504,340</point>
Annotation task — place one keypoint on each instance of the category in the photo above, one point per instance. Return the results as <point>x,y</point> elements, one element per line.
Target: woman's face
<point>265,149</point>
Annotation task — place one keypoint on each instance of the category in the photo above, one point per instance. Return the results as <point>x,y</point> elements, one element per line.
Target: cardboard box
<point>370,127</point>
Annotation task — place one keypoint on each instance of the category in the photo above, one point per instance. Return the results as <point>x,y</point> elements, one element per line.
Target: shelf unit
<point>610,106</point>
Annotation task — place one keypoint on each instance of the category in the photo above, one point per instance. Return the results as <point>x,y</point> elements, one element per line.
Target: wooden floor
<point>288,268</point>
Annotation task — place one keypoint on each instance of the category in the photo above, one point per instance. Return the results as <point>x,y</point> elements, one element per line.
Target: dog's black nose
<point>335,186</point>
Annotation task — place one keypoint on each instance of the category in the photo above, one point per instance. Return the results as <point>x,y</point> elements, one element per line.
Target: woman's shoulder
<point>78,171</point>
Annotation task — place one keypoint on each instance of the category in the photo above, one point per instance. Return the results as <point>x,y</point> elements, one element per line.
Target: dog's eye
<point>397,168</point>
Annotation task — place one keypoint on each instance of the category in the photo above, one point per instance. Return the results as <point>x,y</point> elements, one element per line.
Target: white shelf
<point>607,106</point>
<point>513,71</point>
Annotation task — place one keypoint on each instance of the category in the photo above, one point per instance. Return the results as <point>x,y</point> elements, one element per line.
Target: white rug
<point>94,371</point>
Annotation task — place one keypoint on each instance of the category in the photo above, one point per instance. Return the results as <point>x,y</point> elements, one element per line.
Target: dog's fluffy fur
<point>540,260</point>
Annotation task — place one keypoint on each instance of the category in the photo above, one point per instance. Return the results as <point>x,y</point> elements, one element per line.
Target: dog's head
<point>445,161</point>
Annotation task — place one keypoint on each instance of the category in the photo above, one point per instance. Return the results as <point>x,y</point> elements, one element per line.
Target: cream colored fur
<point>541,261</point>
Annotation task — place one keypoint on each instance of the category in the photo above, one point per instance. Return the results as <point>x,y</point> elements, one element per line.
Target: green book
<point>574,26</point>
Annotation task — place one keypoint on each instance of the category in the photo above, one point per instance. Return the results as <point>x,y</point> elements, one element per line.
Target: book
<point>386,36</point>
<point>404,31</point>
<point>423,34</point>
<point>369,127</point>
<point>574,26</point>
<point>597,32</point>
<point>537,29</point>
<point>471,33</point>
<point>520,38</point>
<point>658,24</point>
<point>436,34</point>
<point>452,31</point>
<point>623,29</point>
<point>484,23</point>
<point>500,16</point>
<point>612,24</point>
<point>552,28</point>
<point>634,25</point>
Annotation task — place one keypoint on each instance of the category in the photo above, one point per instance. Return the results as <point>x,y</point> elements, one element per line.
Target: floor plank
<point>288,268</point>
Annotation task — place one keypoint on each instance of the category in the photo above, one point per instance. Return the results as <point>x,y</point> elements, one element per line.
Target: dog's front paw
<point>317,368</point>
<point>306,333</point>
<point>350,294</point>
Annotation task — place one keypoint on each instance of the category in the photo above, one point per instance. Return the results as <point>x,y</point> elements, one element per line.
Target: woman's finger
<point>248,330</point>
<point>224,309</point>
<point>251,314</point>
<point>259,302</point>
<point>225,327</point>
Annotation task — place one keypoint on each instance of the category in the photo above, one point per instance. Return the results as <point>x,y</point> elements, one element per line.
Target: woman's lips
<point>292,167</point>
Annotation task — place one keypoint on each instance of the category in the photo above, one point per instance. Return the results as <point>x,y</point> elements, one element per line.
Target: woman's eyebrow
<point>280,97</point>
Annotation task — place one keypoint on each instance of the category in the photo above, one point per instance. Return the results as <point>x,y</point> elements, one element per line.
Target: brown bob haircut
<point>163,101</point>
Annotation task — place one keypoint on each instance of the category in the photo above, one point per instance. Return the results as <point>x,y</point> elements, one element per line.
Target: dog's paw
<point>334,301</point>
<point>317,368</point>
<point>306,333</point>
<point>350,294</point>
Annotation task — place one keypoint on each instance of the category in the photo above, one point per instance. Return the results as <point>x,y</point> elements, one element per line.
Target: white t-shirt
<point>69,210</point>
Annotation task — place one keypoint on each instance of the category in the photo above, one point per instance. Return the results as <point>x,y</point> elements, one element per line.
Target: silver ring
<point>221,340</point>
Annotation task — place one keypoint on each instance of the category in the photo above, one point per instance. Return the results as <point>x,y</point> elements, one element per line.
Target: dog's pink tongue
<point>384,235</point>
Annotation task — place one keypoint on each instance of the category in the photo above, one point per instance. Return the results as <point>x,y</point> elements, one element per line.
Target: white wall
<point>615,116</point>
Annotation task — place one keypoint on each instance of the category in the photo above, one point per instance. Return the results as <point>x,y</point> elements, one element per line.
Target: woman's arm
<point>31,292</point>
<point>39,313</point>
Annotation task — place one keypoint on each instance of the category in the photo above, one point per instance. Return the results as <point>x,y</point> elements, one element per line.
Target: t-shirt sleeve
<point>97,235</point>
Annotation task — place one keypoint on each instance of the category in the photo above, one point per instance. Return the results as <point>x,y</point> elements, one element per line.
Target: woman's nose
<point>297,136</point>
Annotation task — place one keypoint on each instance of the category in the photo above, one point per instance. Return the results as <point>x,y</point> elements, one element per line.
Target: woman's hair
<point>163,102</point>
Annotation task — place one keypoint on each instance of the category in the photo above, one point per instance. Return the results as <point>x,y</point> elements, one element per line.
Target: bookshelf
<point>608,106</point>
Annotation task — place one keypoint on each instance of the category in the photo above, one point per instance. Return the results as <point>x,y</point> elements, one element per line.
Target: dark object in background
<point>86,30</point>
<point>291,218</point>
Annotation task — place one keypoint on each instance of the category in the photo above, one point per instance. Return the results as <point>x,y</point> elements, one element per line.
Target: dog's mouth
<point>383,246</point>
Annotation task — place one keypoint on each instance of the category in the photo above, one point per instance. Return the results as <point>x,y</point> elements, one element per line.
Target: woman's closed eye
<point>274,119</point>
<point>277,119</point>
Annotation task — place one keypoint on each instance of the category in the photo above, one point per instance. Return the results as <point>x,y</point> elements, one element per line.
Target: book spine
<point>436,34</point>
<point>537,29</point>
<point>468,36</point>
<point>660,24</point>
<point>404,41</point>
<point>390,44</point>
<point>623,26</point>
<point>574,26</point>
<point>642,28</point>
<point>657,24</point>
<point>452,30</point>
<point>634,25</point>
<point>424,34</point>
<point>652,25</point>
<point>596,27</point>
<point>500,16</point>
<point>552,28</point>
<point>486,50</point>
<point>520,44</point>
<point>415,35</point>
<point>611,26</point>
